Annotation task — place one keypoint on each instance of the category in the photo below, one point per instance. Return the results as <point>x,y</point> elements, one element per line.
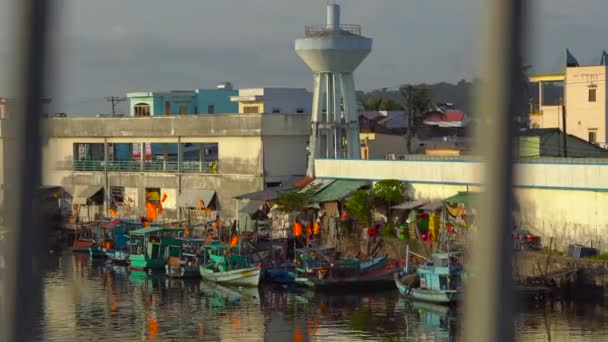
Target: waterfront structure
<point>561,198</point>
<point>273,100</point>
<point>217,158</point>
<point>583,99</point>
<point>178,102</point>
<point>333,52</point>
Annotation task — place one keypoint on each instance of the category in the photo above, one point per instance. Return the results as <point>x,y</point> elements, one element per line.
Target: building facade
<point>273,100</point>
<point>217,157</point>
<point>584,102</point>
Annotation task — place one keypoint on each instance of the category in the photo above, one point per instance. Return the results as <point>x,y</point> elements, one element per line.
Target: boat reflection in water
<point>429,320</point>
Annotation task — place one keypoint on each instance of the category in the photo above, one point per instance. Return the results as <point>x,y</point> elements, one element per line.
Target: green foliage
<point>389,190</point>
<point>603,256</point>
<point>296,200</point>
<point>418,101</point>
<point>388,230</point>
<point>360,207</point>
<point>381,103</point>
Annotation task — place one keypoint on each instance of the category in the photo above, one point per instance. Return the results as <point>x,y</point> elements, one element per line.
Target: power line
<point>115,100</point>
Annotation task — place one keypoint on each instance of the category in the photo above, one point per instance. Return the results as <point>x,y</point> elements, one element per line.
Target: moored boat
<point>83,241</point>
<point>221,266</point>
<point>116,247</point>
<point>185,258</point>
<point>437,281</point>
<point>150,247</point>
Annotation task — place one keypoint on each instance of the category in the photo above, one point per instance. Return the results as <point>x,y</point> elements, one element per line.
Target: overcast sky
<point>112,47</point>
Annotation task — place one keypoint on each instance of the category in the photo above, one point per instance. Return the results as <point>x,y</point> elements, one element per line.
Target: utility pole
<point>565,137</point>
<point>115,100</point>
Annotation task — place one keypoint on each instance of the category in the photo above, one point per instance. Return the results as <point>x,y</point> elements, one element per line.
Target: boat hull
<point>280,276</point>
<point>345,283</point>
<point>140,262</point>
<point>117,257</point>
<point>82,246</point>
<point>439,297</point>
<point>241,277</point>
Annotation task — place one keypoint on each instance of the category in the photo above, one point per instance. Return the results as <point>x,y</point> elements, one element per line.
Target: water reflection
<point>92,301</point>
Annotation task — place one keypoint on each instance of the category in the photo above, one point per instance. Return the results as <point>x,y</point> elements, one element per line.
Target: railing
<point>317,30</point>
<point>136,166</point>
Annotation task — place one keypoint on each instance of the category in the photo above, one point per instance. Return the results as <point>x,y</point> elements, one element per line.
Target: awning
<point>82,193</point>
<point>262,196</point>
<point>338,190</point>
<point>466,198</point>
<point>408,205</point>
<point>432,206</point>
<point>190,198</point>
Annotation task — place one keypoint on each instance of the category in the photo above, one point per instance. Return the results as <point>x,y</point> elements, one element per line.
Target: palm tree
<point>418,101</point>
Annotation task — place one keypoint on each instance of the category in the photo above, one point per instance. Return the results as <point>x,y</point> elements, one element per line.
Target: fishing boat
<point>343,274</point>
<point>99,240</point>
<point>150,247</point>
<point>83,241</point>
<point>437,281</point>
<point>185,258</point>
<point>116,246</point>
<point>222,266</point>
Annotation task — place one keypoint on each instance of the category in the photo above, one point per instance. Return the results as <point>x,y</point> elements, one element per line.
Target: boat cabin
<point>219,257</point>
<point>442,273</point>
<point>154,242</point>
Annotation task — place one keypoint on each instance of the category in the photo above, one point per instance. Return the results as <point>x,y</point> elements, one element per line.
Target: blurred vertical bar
<point>22,297</point>
<point>489,296</point>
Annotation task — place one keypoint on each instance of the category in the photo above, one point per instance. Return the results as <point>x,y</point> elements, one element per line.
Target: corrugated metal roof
<point>432,206</point>
<point>338,190</point>
<point>264,195</point>
<point>190,198</point>
<point>465,198</point>
<point>408,205</point>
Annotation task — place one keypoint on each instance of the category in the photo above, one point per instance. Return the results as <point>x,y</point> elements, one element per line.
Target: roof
<point>250,208</point>
<point>190,198</point>
<point>268,194</point>
<point>303,182</point>
<point>548,142</point>
<point>408,205</point>
<point>338,190</point>
<point>464,197</point>
<point>547,78</point>
<point>449,118</point>
<point>83,193</point>
<point>432,206</point>
<point>143,231</point>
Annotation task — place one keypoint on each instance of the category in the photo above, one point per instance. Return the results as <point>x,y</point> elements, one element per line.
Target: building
<point>217,157</point>
<point>584,101</point>
<point>178,102</point>
<point>273,100</point>
<point>552,142</point>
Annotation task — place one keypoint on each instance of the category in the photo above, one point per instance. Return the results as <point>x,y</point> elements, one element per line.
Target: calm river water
<point>89,302</point>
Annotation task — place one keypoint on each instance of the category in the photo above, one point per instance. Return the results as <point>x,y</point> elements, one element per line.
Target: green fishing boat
<point>222,266</point>
<point>150,247</point>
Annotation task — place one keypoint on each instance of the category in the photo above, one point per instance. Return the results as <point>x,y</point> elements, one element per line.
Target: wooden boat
<point>150,247</point>
<point>83,241</point>
<point>350,273</point>
<point>221,266</point>
<point>436,281</point>
<point>185,258</point>
<point>99,240</point>
<point>116,247</point>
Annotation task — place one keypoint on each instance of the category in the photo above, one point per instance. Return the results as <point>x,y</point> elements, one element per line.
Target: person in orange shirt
<point>317,228</point>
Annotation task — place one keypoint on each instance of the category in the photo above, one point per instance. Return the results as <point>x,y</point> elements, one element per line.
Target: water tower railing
<point>315,30</point>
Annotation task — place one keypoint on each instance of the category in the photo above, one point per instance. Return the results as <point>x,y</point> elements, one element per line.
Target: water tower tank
<point>333,51</point>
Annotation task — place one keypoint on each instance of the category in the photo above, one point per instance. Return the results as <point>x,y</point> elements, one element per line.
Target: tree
<point>360,207</point>
<point>375,103</point>
<point>390,191</point>
<point>418,101</point>
<point>295,200</point>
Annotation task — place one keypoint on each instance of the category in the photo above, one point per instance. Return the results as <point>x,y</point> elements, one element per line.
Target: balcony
<point>136,166</point>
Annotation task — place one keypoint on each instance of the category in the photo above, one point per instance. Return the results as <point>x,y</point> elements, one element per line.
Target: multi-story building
<point>178,102</point>
<point>273,100</point>
<point>217,158</point>
<point>583,104</point>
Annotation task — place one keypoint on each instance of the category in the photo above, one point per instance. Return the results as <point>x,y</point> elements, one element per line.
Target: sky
<point>111,47</point>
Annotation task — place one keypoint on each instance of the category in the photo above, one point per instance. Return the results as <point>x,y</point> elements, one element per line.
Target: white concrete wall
<point>551,117</point>
<point>566,201</point>
<point>583,115</point>
<point>284,156</point>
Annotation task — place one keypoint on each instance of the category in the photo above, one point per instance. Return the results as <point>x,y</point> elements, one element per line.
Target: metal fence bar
<point>23,296</point>
<point>489,299</point>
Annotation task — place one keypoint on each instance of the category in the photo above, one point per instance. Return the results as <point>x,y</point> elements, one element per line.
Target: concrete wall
<point>550,117</point>
<point>583,115</point>
<point>285,100</point>
<point>379,145</point>
<point>564,199</point>
<point>218,98</point>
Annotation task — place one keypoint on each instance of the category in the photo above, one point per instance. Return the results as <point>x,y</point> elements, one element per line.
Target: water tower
<point>333,52</point>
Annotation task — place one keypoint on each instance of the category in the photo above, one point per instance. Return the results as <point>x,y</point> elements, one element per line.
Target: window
<point>592,136</point>
<point>300,110</point>
<point>251,109</point>
<point>210,109</point>
<point>167,108</point>
<point>592,94</point>
<point>118,194</point>
<point>142,109</point>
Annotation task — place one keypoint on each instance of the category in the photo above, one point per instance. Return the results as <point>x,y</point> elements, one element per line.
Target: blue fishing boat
<point>117,246</point>
<point>438,280</point>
